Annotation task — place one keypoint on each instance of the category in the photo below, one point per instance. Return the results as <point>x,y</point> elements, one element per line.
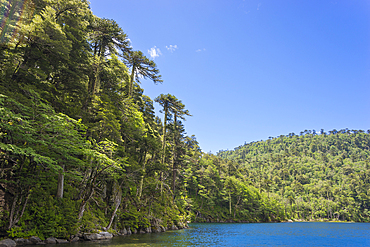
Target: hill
<point>315,176</point>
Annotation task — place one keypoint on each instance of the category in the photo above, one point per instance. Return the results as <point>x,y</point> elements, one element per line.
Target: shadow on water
<point>241,234</point>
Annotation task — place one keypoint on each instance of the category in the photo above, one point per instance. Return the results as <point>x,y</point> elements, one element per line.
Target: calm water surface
<point>264,234</point>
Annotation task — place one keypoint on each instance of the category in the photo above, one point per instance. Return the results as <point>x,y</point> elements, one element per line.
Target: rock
<point>28,242</point>
<point>124,231</point>
<point>148,230</point>
<point>141,231</point>
<point>35,240</point>
<point>22,241</point>
<point>75,239</point>
<point>174,227</point>
<point>7,243</point>
<point>134,230</point>
<point>156,229</point>
<point>106,235</point>
<point>162,228</point>
<point>91,236</point>
<point>129,231</point>
<point>50,241</point>
<point>61,241</point>
<point>98,236</point>
<point>290,221</point>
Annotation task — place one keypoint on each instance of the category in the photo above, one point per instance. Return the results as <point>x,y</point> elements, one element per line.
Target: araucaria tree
<point>141,67</point>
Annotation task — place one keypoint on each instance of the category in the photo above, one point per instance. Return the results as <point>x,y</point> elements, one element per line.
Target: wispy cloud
<point>259,5</point>
<point>154,52</point>
<point>172,48</point>
<point>199,50</point>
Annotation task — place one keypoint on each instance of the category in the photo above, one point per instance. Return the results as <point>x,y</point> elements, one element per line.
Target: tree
<point>141,66</point>
<point>76,139</point>
<point>107,39</point>
<point>35,139</point>
<point>178,111</point>
<point>172,107</point>
<point>165,101</point>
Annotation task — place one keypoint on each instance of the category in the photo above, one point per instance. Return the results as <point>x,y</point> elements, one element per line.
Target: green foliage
<point>141,65</point>
<point>50,216</point>
<point>134,219</point>
<point>74,124</point>
<point>94,220</point>
<point>18,232</point>
<point>81,149</point>
<point>220,191</point>
<point>316,176</point>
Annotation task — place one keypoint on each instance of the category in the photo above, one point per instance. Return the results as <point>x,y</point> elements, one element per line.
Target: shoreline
<point>87,237</point>
<point>283,221</point>
<point>104,235</point>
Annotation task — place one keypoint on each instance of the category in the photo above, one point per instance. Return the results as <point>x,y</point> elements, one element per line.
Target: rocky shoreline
<point>103,235</point>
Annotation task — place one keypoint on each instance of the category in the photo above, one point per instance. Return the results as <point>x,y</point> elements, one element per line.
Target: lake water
<point>239,234</point>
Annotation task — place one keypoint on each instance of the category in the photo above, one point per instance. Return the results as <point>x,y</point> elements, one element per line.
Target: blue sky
<point>248,70</point>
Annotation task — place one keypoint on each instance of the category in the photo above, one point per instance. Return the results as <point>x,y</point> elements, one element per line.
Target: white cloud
<point>171,48</point>
<point>199,50</point>
<point>154,52</point>
<point>259,5</point>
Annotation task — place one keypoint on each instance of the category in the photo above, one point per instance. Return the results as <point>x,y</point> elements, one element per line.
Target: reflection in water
<point>264,234</point>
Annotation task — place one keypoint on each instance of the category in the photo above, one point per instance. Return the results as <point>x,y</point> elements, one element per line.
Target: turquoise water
<point>238,234</point>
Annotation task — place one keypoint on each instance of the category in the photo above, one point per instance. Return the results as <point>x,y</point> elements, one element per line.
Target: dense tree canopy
<point>316,176</point>
<point>77,131</point>
<point>79,135</point>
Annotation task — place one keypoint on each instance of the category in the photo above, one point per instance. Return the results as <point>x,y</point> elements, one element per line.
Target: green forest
<point>82,150</point>
<point>314,175</point>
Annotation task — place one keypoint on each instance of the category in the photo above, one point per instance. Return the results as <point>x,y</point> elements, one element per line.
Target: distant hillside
<point>317,175</point>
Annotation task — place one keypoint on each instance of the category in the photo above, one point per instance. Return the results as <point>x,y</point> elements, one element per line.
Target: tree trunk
<point>164,143</point>
<point>117,200</point>
<point>12,212</point>
<point>82,210</point>
<point>230,202</point>
<point>141,183</point>
<point>89,192</point>
<point>83,204</point>
<point>131,81</point>
<point>174,158</point>
<point>142,177</point>
<point>15,215</point>
<point>60,188</point>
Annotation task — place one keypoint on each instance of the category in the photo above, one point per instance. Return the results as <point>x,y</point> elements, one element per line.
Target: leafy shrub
<point>134,219</point>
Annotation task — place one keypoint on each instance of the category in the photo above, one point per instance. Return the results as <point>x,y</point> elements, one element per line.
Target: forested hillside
<point>315,175</point>
<point>81,149</point>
